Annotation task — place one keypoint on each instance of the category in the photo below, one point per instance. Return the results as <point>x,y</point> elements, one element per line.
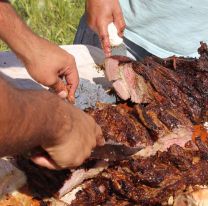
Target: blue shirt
<point>167,27</point>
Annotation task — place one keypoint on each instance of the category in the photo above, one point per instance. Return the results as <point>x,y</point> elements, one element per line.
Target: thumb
<point>119,21</point>
<point>45,162</point>
<point>60,88</point>
<point>72,80</point>
<point>104,38</point>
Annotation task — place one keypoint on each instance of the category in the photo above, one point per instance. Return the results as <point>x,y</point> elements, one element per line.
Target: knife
<point>114,152</point>
<point>108,152</point>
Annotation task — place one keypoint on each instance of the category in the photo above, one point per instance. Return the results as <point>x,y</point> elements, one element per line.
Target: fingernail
<point>63,94</point>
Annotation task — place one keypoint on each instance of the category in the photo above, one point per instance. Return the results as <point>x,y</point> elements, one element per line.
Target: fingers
<point>104,38</point>
<point>60,88</point>
<point>45,162</point>
<point>119,21</point>
<point>72,79</point>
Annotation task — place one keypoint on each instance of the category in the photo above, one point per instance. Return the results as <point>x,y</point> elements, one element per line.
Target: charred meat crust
<point>177,97</point>
<point>149,181</point>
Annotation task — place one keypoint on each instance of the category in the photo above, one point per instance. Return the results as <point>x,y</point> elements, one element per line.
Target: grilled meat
<point>179,82</point>
<point>171,97</point>
<point>120,127</point>
<point>150,181</point>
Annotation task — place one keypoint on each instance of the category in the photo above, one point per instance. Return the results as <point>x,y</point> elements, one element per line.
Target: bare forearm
<point>24,119</point>
<point>15,32</point>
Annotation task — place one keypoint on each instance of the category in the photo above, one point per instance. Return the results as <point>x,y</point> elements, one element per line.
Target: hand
<point>47,63</point>
<point>76,134</point>
<point>66,133</point>
<point>99,14</point>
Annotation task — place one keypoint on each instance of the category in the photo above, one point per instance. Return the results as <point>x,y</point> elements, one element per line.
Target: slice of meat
<point>161,119</point>
<point>93,193</point>
<point>180,136</point>
<point>175,63</point>
<point>120,127</point>
<point>49,183</point>
<point>80,175</point>
<point>180,82</point>
<point>151,121</point>
<point>151,181</point>
<point>161,80</point>
<point>126,82</point>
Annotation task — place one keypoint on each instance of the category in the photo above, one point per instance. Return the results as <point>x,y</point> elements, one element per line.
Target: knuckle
<point>123,26</point>
<point>119,14</point>
<point>103,36</point>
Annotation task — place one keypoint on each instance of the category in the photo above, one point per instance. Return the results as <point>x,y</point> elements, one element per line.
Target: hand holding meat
<point>102,12</point>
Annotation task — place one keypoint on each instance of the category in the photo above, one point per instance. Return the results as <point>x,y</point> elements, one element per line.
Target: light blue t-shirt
<point>167,27</point>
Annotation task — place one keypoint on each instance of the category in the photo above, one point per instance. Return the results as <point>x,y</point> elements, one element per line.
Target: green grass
<point>55,20</point>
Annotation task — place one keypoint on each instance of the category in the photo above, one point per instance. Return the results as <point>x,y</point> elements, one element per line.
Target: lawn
<point>56,20</point>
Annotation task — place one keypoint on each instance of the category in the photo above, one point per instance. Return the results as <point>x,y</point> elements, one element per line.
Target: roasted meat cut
<point>179,82</point>
<point>148,181</point>
<point>120,126</point>
<point>170,106</point>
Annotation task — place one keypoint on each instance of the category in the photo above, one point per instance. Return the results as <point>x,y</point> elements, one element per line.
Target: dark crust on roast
<point>149,181</point>
<point>42,182</point>
<point>120,127</point>
<point>179,97</point>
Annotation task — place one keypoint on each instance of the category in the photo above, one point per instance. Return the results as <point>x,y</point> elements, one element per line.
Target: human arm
<point>38,118</point>
<point>44,61</point>
<point>99,14</point>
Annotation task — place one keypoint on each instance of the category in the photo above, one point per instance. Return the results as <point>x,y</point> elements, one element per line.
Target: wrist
<point>59,122</point>
<point>24,121</point>
<point>28,119</point>
<point>43,116</point>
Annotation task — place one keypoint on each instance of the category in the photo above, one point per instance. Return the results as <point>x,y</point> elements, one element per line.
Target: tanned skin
<point>38,118</point>
<point>99,14</point>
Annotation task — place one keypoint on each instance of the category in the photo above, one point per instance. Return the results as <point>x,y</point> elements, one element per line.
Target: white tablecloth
<point>87,58</point>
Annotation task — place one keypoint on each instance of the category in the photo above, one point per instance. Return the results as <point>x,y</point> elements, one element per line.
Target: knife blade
<point>114,152</point>
<point>110,151</point>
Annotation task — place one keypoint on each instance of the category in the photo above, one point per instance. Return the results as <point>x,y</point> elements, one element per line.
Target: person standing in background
<point>159,27</point>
